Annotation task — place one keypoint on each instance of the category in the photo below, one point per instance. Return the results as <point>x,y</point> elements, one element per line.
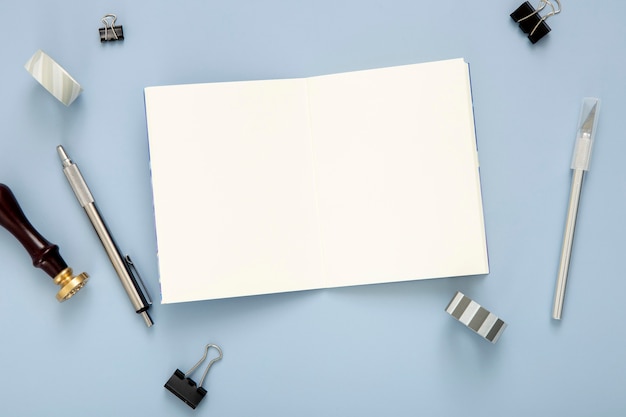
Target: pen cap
<point>586,133</point>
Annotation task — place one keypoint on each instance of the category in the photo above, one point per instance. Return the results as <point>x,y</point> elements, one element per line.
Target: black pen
<point>123,266</point>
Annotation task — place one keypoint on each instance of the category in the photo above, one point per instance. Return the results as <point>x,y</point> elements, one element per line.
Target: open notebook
<point>293,184</point>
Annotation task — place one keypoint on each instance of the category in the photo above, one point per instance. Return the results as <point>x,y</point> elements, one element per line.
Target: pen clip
<point>137,278</point>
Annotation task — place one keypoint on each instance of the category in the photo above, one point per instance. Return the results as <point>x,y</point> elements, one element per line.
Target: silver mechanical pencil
<point>123,265</point>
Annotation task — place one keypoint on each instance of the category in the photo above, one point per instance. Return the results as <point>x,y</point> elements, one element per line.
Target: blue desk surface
<point>367,351</point>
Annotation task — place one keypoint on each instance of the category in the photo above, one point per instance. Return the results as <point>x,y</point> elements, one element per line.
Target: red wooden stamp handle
<point>45,255</point>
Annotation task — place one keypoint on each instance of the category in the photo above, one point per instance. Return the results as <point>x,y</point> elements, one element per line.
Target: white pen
<point>580,164</point>
<point>123,265</point>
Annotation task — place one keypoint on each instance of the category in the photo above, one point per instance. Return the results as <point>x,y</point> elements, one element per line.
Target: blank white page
<point>234,199</point>
<point>285,185</point>
<point>397,174</point>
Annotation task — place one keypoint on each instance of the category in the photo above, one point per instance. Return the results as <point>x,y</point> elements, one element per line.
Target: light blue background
<point>367,351</point>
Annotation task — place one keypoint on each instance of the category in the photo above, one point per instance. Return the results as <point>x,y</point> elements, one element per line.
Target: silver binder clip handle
<point>108,20</point>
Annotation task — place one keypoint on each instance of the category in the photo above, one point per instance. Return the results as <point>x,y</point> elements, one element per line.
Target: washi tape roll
<point>477,318</point>
<point>53,77</point>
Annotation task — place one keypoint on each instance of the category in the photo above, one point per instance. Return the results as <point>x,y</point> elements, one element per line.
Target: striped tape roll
<point>480,320</point>
<point>53,77</point>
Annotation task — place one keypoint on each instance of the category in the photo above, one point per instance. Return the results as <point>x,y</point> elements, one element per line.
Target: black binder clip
<point>531,22</point>
<point>184,387</point>
<point>110,32</point>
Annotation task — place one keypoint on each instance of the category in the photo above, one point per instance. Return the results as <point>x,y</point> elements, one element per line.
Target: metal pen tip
<point>65,159</point>
<point>146,318</point>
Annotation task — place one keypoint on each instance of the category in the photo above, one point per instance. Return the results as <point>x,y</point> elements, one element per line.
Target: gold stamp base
<point>69,284</point>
